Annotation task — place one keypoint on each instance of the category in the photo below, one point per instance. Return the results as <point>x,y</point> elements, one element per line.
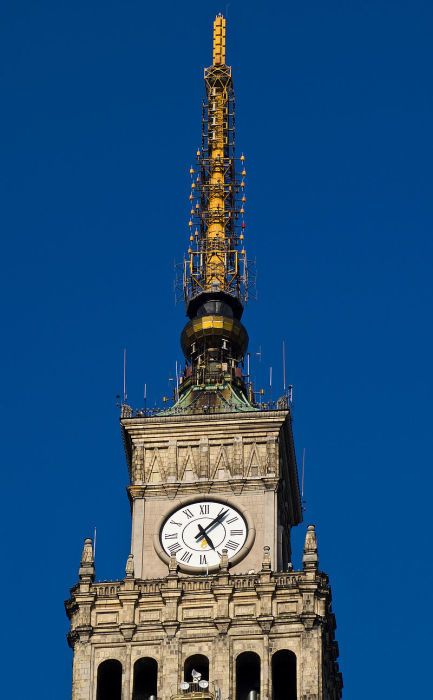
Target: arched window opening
<point>284,675</point>
<point>109,685</point>
<point>198,663</point>
<point>248,676</point>
<point>145,679</point>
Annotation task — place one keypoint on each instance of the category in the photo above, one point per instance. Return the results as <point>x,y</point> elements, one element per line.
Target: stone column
<point>137,533</point>
<point>270,524</point>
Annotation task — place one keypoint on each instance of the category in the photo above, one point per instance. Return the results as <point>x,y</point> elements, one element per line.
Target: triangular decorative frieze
<point>156,472</point>
<point>221,468</point>
<point>253,464</point>
<point>187,466</point>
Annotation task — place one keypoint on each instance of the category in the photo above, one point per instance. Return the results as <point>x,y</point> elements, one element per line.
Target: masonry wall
<point>219,616</point>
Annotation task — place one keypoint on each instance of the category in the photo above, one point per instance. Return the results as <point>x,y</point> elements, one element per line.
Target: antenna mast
<point>303,472</point>
<point>124,376</point>
<point>284,368</point>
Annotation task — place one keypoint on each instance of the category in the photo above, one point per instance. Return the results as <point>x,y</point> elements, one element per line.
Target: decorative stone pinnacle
<point>224,561</point>
<point>129,569</point>
<point>310,560</point>
<point>172,565</point>
<point>87,564</point>
<point>266,563</point>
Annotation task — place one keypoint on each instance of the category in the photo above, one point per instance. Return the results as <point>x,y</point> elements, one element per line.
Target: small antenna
<point>94,543</point>
<point>177,381</point>
<point>253,354</point>
<point>303,473</point>
<point>124,376</point>
<point>290,394</point>
<point>145,395</point>
<point>284,367</point>
<point>270,383</point>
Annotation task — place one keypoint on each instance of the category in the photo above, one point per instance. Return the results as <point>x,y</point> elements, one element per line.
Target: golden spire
<point>215,281</point>
<point>216,257</point>
<point>219,40</point>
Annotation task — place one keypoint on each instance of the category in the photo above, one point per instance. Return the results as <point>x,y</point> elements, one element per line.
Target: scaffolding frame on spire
<point>216,259</point>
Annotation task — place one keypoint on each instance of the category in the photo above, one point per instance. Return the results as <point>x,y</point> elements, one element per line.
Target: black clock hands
<point>202,535</point>
<point>214,522</point>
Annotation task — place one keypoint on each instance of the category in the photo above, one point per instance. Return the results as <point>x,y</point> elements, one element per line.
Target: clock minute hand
<point>206,537</point>
<point>215,521</point>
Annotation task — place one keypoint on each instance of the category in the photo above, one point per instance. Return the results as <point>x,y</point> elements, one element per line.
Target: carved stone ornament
<point>308,620</point>
<point>129,570</point>
<point>86,571</point>
<point>224,562</point>
<point>265,622</point>
<point>127,629</point>
<point>170,628</point>
<point>266,563</point>
<point>310,560</point>
<point>222,625</point>
<point>87,555</point>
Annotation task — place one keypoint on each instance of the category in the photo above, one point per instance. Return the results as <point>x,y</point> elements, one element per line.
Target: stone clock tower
<point>210,607</point>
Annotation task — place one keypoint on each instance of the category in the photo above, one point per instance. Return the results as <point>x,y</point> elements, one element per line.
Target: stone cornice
<point>187,423</point>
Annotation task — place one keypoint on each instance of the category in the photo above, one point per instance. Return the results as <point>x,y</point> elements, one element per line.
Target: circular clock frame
<point>251,532</point>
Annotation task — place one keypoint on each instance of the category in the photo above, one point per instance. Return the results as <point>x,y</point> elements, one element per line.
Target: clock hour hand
<point>215,521</point>
<point>202,535</point>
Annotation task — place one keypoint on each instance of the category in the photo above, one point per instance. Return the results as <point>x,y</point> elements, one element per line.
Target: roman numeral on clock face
<point>186,557</point>
<point>204,510</point>
<point>173,548</point>
<point>231,545</point>
<point>188,513</point>
<point>235,532</point>
<point>173,522</point>
<point>232,520</point>
<point>203,559</point>
<point>173,536</point>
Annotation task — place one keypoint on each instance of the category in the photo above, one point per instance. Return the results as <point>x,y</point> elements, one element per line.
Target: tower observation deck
<point>215,283</point>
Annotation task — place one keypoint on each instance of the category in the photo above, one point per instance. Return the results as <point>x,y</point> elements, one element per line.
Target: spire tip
<point>219,40</point>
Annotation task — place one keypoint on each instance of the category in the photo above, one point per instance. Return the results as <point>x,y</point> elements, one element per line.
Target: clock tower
<point>210,607</point>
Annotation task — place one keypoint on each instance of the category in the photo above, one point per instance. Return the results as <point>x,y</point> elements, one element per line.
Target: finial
<point>129,569</point>
<point>310,560</point>
<point>224,561</point>
<point>219,40</point>
<point>87,564</point>
<point>266,563</point>
<point>172,565</point>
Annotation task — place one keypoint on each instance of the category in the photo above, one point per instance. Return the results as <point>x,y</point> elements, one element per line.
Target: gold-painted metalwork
<point>217,328</point>
<point>215,282</point>
<point>219,40</point>
<point>216,260</point>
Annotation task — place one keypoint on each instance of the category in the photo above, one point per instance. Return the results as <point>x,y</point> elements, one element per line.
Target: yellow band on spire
<point>219,41</point>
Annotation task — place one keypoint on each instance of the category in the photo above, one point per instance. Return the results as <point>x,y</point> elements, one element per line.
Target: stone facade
<point>162,612</point>
<point>247,459</point>
<point>220,616</point>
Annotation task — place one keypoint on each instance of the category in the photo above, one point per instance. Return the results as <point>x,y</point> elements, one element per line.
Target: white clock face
<point>197,533</point>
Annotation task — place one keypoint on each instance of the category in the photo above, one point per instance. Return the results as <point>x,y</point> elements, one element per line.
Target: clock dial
<point>197,533</point>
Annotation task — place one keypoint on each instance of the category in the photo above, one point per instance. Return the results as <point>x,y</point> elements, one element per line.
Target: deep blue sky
<point>99,124</point>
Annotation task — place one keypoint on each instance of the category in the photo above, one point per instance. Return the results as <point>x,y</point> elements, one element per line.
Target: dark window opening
<point>248,676</point>
<point>145,679</point>
<point>199,663</point>
<point>109,680</point>
<point>284,675</point>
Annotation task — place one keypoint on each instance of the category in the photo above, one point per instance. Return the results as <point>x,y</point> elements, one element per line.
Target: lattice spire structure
<point>215,271</point>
